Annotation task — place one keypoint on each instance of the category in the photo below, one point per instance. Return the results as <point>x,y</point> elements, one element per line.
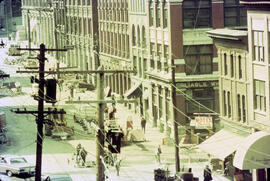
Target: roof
<point>227,34</point>
<point>254,2</point>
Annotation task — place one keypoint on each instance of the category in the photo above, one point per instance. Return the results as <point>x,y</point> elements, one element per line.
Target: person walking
<point>207,174</point>
<point>143,123</point>
<point>158,152</point>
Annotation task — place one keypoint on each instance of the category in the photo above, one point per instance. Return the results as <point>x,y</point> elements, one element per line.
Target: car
<point>57,177</point>
<point>12,164</point>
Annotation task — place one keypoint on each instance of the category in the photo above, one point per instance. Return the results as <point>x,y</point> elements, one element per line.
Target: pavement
<point>189,158</point>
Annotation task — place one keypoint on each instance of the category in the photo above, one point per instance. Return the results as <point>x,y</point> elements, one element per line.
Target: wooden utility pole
<point>40,117</point>
<point>175,125</point>
<point>100,133</point>
<point>100,176</point>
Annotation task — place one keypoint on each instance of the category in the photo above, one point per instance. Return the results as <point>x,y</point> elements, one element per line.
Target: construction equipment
<point>56,126</point>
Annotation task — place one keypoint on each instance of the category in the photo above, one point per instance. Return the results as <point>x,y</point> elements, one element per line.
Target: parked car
<point>57,177</point>
<point>12,164</point>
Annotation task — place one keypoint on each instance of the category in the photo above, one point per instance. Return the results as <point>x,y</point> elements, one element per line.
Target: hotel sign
<point>203,122</point>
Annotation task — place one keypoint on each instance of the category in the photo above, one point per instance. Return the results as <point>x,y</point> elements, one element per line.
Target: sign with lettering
<point>203,122</point>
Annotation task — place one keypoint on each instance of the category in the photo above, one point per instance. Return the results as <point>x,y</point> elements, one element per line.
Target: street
<point>138,159</point>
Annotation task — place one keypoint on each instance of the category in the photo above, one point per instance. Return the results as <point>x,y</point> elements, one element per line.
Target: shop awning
<point>135,91</point>
<point>254,153</point>
<point>222,144</point>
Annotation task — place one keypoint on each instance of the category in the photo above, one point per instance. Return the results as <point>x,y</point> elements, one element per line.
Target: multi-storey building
<point>176,30</point>
<point>10,18</point>
<point>145,36</point>
<point>244,73</point>
<point>114,43</point>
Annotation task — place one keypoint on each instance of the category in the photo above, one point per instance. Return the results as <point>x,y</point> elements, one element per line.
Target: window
<point>234,14</point>
<point>133,36</point>
<point>160,102</point>
<point>225,105</point>
<point>151,16</point>
<point>244,108</point>
<point>260,98</point>
<point>135,65</point>
<point>152,49</point>
<point>165,16</point>
<point>240,72</point>
<point>168,111</point>
<point>232,66</point>
<point>158,16</point>
<point>225,64</point>
<point>197,13</point>
<point>229,105</point>
<point>159,52</point>
<point>138,36</point>
<point>198,59</point>
<point>239,107</point>
<point>258,46</point>
<point>143,37</point>
<point>204,96</point>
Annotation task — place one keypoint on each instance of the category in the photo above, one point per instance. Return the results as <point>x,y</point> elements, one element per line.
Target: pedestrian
<point>207,173</point>
<point>158,152</point>
<point>117,165</point>
<point>143,123</point>
<point>78,150</point>
<point>71,92</point>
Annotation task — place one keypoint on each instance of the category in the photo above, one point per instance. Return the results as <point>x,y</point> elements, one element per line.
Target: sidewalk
<point>142,162</point>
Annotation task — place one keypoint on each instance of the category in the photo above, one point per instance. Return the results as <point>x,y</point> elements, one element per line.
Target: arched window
<point>138,36</point>
<point>133,36</point>
<point>143,37</point>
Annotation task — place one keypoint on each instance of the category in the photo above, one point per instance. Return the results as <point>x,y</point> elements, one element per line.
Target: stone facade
<point>145,36</point>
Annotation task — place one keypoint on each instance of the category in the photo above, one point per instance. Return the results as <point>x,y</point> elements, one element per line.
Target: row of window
<point>78,25</point>
<point>228,106</point>
<point>78,2</point>
<point>114,43</point>
<point>233,63</point>
<point>158,13</point>
<point>113,15</point>
<point>113,3</point>
<point>138,38</point>
<point>137,5</point>
<point>158,101</point>
<point>198,13</point>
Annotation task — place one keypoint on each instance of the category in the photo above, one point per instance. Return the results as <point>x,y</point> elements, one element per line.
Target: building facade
<point>10,18</point>
<point>145,36</point>
<point>243,66</point>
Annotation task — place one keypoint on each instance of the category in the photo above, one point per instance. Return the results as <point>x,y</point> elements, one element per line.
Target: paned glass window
<point>197,13</point>
<point>234,13</point>
<point>198,59</point>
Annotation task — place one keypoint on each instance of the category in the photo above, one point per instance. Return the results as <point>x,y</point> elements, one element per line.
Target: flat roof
<point>227,33</point>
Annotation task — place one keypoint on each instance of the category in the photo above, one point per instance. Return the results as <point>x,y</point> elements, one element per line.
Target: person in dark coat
<point>143,123</point>
<point>207,174</point>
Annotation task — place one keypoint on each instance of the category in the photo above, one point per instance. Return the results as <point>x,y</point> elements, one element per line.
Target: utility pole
<point>100,133</point>
<point>100,176</point>
<point>40,117</point>
<point>175,125</point>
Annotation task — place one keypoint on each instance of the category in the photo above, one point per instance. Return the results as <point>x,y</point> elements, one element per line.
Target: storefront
<point>254,154</point>
<point>222,147</point>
